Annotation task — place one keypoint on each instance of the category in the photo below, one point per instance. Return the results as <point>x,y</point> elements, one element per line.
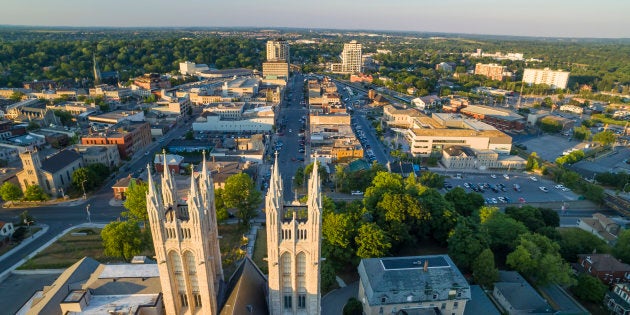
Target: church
<point>188,277</point>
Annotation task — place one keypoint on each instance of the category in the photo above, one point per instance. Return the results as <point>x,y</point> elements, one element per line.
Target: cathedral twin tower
<point>187,246</point>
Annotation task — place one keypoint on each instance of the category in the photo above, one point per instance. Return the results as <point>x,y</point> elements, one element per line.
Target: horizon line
<point>307,29</point>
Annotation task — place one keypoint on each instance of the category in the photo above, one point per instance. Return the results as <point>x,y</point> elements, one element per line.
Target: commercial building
<point>278,50</point>
<point>152,81</point>
<point>502,119</point>
<point>53,174</point>
<point>217,124</point>
<point>555,79</point>
<point>431,135</point>
<point>191,68</point>
<point>106,154</point>
<point>130,137</point>
<point>462,157</point>
<point>412,285</point>
<point>492,71</point>
<point>116,116</point>
<point>275,70</point>
<point>351,61</point>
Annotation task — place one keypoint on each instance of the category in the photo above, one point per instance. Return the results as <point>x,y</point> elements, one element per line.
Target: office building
<point>555,79</point>
<point>351,60</point>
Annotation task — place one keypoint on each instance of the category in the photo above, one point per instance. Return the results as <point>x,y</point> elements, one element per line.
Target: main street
<point>290,113</point>
<point>62,216</point>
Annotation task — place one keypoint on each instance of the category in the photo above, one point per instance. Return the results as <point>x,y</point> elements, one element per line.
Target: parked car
<point>544,189</point>
<point>357,193</point>
<point>533,178</point>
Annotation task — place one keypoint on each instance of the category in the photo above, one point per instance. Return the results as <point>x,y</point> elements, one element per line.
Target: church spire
<point>169,189</point>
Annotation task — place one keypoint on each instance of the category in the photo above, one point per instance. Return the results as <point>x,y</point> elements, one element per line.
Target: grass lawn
<point>27,234</point>
<point>231,241</point>
<point>260,250</point>
<point>70,249</point>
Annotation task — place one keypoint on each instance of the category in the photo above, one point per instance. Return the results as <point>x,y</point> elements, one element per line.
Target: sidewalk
<point>26,241</point>
<point>35,204</point>
<point>10,270</point>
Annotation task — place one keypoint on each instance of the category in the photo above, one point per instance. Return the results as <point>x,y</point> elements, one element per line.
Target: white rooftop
<point>129,271</point>
<point>104,304</point>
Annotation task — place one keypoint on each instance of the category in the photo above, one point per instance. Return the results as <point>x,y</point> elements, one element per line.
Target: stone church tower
<point>186,243</point>
<point>294,248</point>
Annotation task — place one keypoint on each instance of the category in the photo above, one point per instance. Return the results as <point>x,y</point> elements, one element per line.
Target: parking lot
<point>528,189</point>
<point>550,147</point>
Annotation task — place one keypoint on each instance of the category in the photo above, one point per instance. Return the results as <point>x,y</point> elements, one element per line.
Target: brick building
<point>130,137</point>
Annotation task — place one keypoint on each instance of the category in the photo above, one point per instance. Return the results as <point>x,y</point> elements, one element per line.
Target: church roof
<point>60,160</point>
<point>246,291</point>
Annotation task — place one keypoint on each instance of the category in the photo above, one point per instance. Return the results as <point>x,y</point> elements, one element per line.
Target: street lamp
<point>87,209</point>
<point>83,186</point>
<point>28,224</point>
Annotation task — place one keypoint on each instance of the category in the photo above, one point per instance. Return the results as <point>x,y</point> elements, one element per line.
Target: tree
<point>466,243</point>
<point>605,137</point>
<point>16,96</point>
<point>353,307</point>
<point>372,241</point>
<point>189,135</point>
<point>219,204</point>
<point>589,288</point>
<point>575,241</point>
<point>432,180</point>
<point>122,239</point>
<point>298,178</point>
<point>10,191</point>
<point>503,233</point>
<point>136,201</point>
<point>486,213</point>
<point>35,193</point>
<point>83,178</point>
<point>528,215</point>
<point>240,193</point>
<point>538,257</point>
<point>464,203</point>
<point>622,247</point>
<point>338,231</point>
<point>581,133</point>
<point>484,271</point>
<point>328,276</point>
<point>532,162</point>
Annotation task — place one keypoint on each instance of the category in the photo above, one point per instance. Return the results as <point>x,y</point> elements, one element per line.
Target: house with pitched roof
<point>605,267</point>
<point>601,226</point>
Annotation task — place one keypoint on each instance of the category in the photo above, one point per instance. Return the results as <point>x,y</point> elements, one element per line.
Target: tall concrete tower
<point>294,248</point>
<point>186,243</point>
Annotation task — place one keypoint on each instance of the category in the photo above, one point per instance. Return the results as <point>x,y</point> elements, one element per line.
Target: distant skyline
<point>545,18</point>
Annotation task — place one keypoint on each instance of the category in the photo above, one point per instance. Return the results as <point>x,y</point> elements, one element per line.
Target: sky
<point>545,18</point>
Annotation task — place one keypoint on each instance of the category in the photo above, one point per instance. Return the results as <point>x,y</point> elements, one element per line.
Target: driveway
<point>334,301</point>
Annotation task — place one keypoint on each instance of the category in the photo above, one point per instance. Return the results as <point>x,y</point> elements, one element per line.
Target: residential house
<point>6,231</point>
<point>605,267</point>
<point>618,300</point>
<point>601,226</point>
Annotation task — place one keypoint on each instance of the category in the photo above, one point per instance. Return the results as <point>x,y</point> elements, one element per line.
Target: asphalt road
<point>290,113</point>
<point>62,216</point>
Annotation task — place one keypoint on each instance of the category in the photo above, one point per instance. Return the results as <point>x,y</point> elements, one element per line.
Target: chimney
<point>426,265</point>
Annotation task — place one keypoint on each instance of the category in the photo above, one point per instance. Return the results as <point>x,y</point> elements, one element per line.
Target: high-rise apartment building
<point>492,70</point>
<point>555,79</point>
<point>278,50</point>
<point>351,61</point>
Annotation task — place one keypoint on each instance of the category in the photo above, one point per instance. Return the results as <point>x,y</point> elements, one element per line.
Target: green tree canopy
<point>589,288</point>
<point>622,247</point>
<point>136,201</point>
<point>466,243</point>
<point>219,204</point>
<point>10,191</point>
<point>538,257</point>
<point>504,233</point>
<point>35,193</point>
<point>605,137</point>
<point>240,193</point>
<point>123,239</point>
<point>372,241</point>
<point>353,307</point>
<point>464,203</point>
<point>484,271</point>
<point>575,241</point>
<point>533,162</point>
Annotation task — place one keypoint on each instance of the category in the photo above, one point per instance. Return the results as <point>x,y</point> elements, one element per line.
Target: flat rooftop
<point>129,271</point>
<point>129,304</point>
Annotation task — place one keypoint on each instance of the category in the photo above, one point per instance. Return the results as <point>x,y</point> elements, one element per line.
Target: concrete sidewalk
<point>10,270</point>
<point>25,242</point>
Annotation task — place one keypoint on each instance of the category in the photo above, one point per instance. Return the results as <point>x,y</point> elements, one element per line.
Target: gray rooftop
<point>520,294</point>
<point>404,279</point>
<point>480,303</point>
<point>59,161</point>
